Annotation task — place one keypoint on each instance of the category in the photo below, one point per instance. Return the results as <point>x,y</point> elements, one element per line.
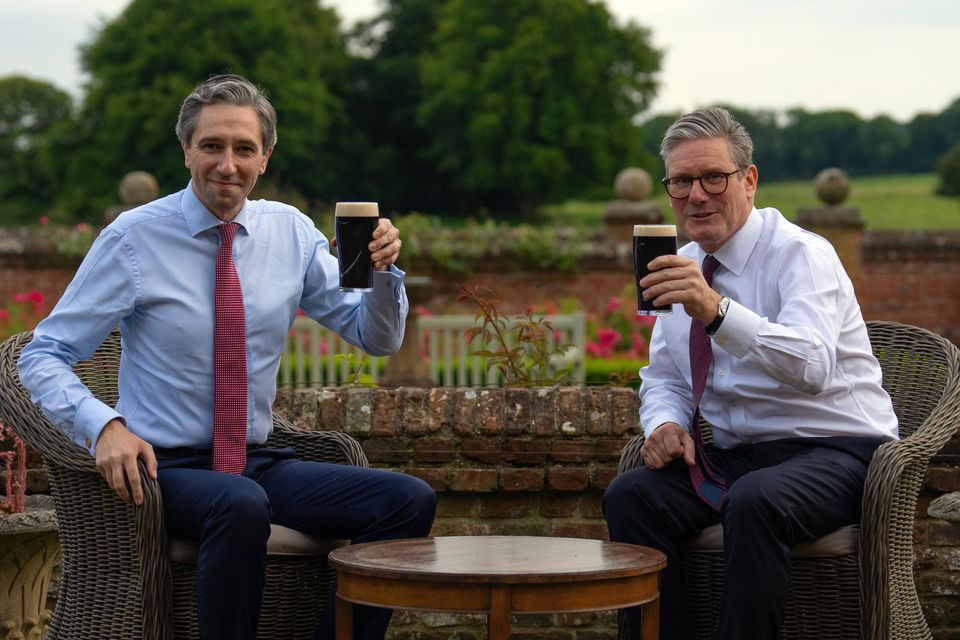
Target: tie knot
<point>227,231</point>
<point>709,267</point>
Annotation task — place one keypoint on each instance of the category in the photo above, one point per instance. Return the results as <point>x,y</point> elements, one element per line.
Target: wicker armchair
<point>857,582</point>
<point>119,579</point>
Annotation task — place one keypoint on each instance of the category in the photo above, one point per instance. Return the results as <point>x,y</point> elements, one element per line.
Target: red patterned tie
<point>710,486</point>
<point>229,362</point>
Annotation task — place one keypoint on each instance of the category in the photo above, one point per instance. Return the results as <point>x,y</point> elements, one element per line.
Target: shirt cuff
<point>387,283</point>
<point>738,330</point>
<point>92,417</point>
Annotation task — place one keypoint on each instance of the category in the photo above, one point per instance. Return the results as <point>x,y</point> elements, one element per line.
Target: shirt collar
<point>199,218</point>
<point>733,255</point>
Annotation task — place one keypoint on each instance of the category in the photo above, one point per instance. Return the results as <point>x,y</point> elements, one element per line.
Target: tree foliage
<point>948,173</point>
<point>531,100</point>
<point>148,59</point>
<point>28,110</point>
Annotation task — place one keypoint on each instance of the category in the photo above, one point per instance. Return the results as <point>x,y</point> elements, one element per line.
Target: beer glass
<point>650,241</point>
<point>355,222</point>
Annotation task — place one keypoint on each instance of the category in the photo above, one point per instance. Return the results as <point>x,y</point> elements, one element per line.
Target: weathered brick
<point>608,451</point>
<point>597,410</point>
<point>490,405</point>
<point>467,417</point>
<point>570,410</point>
<point>452,505</point>
<point>603,476</point>
<point>434,450</point>
<point>561,505</point>
<point>441,402</point>
<point>358,409</point>
<point>385,420</point>
<point>485,450</point>
<point>414,414</point>
<point>525,451</point>
<point>385,452</point>
<point>330,404</point>
<point>517,411</point>
<point>521,479</point>
<point>942,534</point>
<point>305,409</point>
<point>624,411</point>
<point>504,505</point>
<point>588,530</point>
<point>943,479</point>
<point>473,480</point>
<point>570,451</point>
<point>435,477</point>
<point>568,479</point>
<point>283,402</point>
<point>545,412</point>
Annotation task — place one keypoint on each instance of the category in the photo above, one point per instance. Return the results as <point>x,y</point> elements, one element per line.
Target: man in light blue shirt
<point>152,273</point>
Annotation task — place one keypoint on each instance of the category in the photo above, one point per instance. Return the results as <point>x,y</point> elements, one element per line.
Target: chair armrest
<point>630,455</point>
<point>324,446</point>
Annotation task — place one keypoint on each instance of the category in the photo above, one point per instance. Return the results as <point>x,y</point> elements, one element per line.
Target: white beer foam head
<point>655,230</point>
<point>358,210</point>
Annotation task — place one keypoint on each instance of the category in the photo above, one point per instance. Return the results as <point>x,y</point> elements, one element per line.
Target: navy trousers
<point>782,493</point>
<point>230,516</point>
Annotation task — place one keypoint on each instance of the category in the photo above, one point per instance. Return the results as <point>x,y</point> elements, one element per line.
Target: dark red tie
<point>709,485</point>
<point>229,362</point>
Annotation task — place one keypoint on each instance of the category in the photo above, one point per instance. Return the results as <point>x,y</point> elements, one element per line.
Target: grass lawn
<point>886,202</point>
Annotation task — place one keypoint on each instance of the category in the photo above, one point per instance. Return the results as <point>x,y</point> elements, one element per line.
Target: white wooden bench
<point>316,356</point>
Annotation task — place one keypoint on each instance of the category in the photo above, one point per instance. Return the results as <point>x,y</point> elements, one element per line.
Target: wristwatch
<point>721,314</point>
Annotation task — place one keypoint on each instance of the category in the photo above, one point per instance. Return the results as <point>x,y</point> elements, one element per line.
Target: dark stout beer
<point>650,241</point>
<point>354,231</point>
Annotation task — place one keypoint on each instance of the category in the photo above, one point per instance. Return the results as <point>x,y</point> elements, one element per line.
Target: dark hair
<point>227,89</point>
<point>714,122</point>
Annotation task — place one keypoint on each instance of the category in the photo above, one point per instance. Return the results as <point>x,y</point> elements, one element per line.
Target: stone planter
<point>29,547</point>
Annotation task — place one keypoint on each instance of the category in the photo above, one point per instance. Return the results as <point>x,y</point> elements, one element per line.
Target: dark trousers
<point>782,493</point>
<point>230,515</point>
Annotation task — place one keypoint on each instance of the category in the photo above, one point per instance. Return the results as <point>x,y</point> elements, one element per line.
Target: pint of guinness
<point>650,241</point>
<point>354,231</point>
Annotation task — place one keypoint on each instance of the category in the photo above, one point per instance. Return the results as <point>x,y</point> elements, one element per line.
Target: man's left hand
<point>386,244</point>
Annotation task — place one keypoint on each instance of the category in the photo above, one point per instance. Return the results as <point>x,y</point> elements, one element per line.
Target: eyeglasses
<point>714,183</point>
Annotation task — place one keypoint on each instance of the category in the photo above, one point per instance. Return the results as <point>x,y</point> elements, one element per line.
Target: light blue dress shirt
<point>152,272</point>
<point>792,357</point>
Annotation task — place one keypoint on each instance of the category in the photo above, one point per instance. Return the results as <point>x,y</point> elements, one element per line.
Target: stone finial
<point>833,185</point>
<point>632,183</point>
<point>138,187</point>
<point>632,206</point>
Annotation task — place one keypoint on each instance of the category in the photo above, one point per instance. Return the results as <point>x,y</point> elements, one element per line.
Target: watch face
<point>724,304</point>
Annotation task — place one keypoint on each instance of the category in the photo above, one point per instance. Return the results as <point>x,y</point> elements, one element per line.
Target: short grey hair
<point>227,89</point>
<point>715,122</point>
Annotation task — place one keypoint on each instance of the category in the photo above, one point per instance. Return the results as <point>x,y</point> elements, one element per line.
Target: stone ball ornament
<point>833,185</point>
<point>138,187</point>
<point>633,183</point>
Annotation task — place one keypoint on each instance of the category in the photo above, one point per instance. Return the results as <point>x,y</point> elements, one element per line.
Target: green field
<point>886,202</point>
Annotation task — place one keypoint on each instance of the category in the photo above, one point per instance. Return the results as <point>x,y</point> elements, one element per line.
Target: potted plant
<point>29,547</point>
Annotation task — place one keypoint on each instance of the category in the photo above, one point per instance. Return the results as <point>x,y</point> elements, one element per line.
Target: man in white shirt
<point>793,393</point>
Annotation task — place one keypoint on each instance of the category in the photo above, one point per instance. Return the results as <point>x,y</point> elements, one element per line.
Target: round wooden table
<point>498,575</point>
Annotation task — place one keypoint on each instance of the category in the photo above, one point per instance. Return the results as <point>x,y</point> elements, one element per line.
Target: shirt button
<point>721,372</point>
<point>87,442</point>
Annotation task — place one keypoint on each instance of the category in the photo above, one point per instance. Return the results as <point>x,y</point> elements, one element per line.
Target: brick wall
<point>502,461</point>
<point>535,462</point>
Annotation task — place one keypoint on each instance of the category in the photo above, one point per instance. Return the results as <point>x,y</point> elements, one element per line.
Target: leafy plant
<point>16,455</point>
<point>520,347</point>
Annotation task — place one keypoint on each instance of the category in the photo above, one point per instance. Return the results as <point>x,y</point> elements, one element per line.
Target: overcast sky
<point>893,57</point>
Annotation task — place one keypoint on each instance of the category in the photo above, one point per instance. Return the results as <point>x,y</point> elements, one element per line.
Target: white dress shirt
<point>791,358</point>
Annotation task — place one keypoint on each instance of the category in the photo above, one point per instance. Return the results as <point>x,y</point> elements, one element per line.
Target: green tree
<point>531,101</point>
<point>143,63</point>
<point>28,110</point>
<point>948,173</point>
<point>383,91</point>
